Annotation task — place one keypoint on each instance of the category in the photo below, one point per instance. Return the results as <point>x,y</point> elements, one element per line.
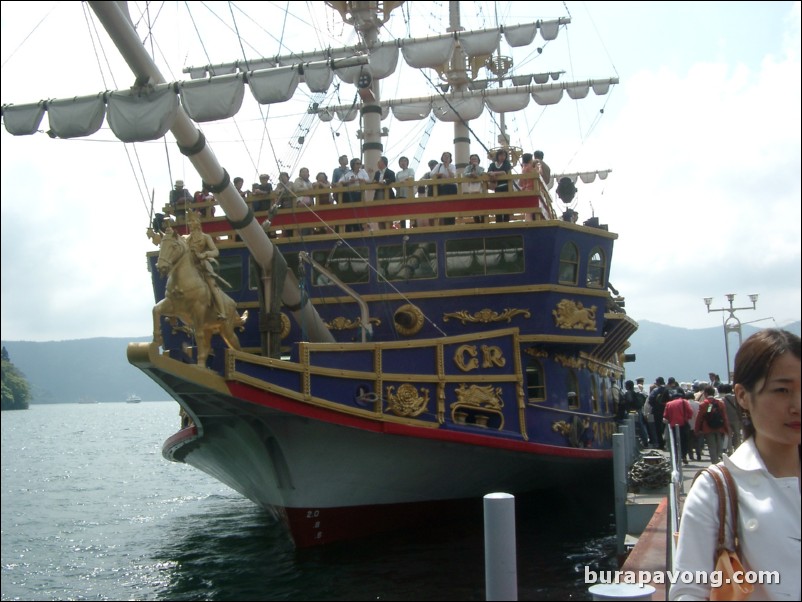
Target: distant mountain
<point>82,370</point>
<point>98,369</point>
<point>685,354</point>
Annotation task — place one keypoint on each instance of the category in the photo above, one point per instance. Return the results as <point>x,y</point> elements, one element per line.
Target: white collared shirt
<point>769,512</point>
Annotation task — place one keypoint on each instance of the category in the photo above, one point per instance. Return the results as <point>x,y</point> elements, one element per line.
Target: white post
<point>620,490</point>
<point>501,572</point>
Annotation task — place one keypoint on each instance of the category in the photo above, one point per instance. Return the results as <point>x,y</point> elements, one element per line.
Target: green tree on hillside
<point>16,392</point>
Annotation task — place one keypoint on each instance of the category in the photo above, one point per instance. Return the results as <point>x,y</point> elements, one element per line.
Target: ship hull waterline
<point>331,477</point>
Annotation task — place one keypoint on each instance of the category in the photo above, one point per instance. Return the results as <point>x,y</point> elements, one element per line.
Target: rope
<point>652,471</point>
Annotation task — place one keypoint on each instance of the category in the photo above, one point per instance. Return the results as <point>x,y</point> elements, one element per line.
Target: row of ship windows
<point>464,257</point>
<point>599,392</point>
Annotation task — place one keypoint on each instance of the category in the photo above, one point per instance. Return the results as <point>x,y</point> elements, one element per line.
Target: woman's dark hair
<point>756,356</point>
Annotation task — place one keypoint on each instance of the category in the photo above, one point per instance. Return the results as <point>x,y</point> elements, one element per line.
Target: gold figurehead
<point>192,293</point>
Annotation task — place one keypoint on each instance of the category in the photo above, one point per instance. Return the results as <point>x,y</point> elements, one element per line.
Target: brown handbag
<point>728,562</point>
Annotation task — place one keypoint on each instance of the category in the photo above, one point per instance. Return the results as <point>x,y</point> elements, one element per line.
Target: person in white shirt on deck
<point>404,192</point>
<point>354,177</point>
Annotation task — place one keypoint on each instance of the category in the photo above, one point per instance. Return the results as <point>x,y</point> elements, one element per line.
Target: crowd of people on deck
<point>304,191</point>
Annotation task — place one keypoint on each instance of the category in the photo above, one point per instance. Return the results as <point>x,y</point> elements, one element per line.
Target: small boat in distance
<point>133,398</point>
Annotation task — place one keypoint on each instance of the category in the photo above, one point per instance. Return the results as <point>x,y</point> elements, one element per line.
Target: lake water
<point>91,511</point>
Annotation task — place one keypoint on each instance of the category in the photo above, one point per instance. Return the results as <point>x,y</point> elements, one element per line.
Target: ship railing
<point>391,213</point>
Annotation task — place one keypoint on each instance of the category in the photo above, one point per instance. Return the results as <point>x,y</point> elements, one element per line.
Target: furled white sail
<point>318,77</point>
<point>23,120</point>
<point>75,117</point>
<point>522,35</point>
<point>430,53</point>
<point>273,85</point>
<point>145,114</point>
<point>508,102</point>
<point>479,42</point>
<point>212,99</point>
<point>463,109</point>
<point>413,111</point>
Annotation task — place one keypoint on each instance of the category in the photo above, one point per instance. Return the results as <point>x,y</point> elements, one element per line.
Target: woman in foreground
<point>766,470</point>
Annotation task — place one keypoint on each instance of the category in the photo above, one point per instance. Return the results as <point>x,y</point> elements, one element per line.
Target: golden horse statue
<point>189,297</point>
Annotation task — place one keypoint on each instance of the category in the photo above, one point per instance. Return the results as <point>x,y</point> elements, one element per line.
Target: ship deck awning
<point>618,328</point>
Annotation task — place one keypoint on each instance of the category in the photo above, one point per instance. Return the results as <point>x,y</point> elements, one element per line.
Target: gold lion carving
<point>573,315</point>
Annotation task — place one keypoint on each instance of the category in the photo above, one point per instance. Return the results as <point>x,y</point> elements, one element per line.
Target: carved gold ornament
<point>478,402</point>
<point>486,316</point>
<point>408,320</point>
<point>562,427</point>
<point>479,396</point>
<point>342,323</point>
<point>536,352</point>
<point>407,402</point>
<point>573,315</point>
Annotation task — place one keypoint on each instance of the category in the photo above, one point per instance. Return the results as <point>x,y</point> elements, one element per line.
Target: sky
<point>702,136</point>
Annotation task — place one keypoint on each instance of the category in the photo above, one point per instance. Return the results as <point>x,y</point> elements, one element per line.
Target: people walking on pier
<point>733,415</point>
<point>712,422</point>
<point>658,399</point>
<point>696,441</point>
<point>678,413</point>
<point>634,402</point>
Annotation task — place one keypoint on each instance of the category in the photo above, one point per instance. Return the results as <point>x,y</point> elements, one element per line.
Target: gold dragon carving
<point>481,398</point>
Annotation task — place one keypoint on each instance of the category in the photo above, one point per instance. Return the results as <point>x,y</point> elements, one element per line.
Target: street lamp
<point>731,324</point>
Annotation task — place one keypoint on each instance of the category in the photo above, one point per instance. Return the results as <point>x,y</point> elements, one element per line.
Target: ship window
<point>408,262</point>
<point>569,264</point>
<point>484,256</point>
<point>572,390</point>
<point>594,394</point>
<point>230,270</point>
<point>535,381</point>
<point>349,264</point>
<point>597,268</point>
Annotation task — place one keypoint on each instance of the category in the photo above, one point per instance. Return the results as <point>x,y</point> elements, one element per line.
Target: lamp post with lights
<point>731,324</point>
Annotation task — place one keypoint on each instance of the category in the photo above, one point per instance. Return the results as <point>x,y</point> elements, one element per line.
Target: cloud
<point>702,134</point>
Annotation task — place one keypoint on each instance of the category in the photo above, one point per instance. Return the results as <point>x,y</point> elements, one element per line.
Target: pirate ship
<point>360,372</point>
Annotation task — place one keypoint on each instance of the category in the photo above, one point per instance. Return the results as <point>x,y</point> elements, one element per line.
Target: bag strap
<point>732,490</point>
<point>722,508</point>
